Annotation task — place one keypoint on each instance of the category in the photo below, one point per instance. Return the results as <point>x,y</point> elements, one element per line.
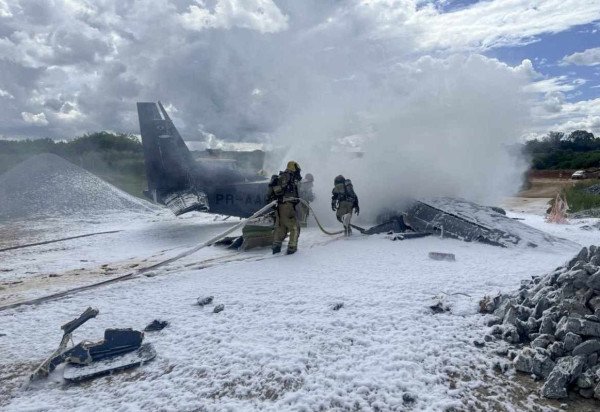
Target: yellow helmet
<point>293,166</point>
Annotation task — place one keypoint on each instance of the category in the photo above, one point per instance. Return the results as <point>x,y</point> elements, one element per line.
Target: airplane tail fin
<point>170,167</point>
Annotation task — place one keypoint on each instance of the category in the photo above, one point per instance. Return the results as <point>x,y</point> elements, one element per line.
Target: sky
<point>256,70</point>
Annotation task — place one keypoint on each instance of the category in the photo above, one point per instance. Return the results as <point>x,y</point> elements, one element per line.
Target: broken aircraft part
<point>424,217</point>
<point>58,356</point>
<point>116,343</point>
<point>205,301</point>
<point>407,235</point>
<point>156,325</point>
<point>468,221</point>
<point>442,256</point>
<point>178,181</point>
<point>393,224</point>
<point>106,366</point>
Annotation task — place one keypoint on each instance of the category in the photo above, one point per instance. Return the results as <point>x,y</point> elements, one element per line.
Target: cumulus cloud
<point>234,68</point>
<point>261,15</point>
<point>4,93</point>
<point>35,119</point>
<point>578,115</point>
<point>588,57</point>
<point>555,84</point>
<point>4,9</point>
<point>553,101</point>
<point>489,24</point>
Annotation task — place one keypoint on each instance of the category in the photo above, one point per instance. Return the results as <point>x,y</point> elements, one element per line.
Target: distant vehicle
<point>586,174</point>
<point>182,183</point>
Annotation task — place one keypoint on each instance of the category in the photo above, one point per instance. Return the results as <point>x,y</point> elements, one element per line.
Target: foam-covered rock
<point>566,371</point>
<point>554,321</point>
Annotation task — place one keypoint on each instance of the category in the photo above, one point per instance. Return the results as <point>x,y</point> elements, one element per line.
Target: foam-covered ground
<point>119,243</point>
<point>278,345</point>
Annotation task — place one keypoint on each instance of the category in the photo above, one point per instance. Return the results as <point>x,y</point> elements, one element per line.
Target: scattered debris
<point>338,306</point>
<point>593,226</point>
<point>440,305</point>
<point>219,308</point>
<point>156,325</point>
<point>205,301</point>
<point>442,256</point>
<point>498,210</point>
<point>87,359</point>
<point>56,358</point>
<point>593,189</point>
<point>79,373</point>
<point>557,319</point>
<point>408,398</point>
<point>478,343</point>
<point>586,214</point>
<point>405,236</point>
<point>391,222</point>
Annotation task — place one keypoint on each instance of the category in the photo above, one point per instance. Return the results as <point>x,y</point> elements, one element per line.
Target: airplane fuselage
<point>179,182</point>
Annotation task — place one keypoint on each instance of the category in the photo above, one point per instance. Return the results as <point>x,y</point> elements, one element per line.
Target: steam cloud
<point>427,126</point>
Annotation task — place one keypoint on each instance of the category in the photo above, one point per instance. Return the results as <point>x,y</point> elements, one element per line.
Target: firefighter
<point>306,193</point>
<point>284,189</point>
<point>344,201</point>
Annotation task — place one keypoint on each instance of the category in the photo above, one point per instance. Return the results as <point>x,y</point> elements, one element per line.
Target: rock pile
<point>555,320</point>
<point>593,190</point>
<point>47,184</point>
<point>586,214</point>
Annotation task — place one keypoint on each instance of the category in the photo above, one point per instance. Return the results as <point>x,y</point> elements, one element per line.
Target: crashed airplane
<point>183,184</point>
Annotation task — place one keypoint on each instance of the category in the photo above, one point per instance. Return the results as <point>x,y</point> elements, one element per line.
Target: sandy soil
<point>540,187</point>
<point>534,200</point>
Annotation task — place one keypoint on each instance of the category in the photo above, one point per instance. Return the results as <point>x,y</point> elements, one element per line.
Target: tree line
<point>577,150</point>
<point>119,158</point>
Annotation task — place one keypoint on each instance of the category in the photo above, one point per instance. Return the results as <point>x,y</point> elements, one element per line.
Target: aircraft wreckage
<point>119,350</point>
<point>464,220</point>
<point>183,184</point>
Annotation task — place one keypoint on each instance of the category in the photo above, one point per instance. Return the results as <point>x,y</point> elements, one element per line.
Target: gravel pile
<point>586,214</point>
<point>48,185</point>
<point>554,322</point>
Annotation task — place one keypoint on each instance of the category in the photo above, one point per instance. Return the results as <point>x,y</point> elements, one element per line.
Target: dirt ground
<point>545,187</point>
<point>535,198</point>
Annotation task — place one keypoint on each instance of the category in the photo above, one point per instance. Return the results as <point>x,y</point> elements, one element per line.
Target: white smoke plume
<point>424,125</point>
